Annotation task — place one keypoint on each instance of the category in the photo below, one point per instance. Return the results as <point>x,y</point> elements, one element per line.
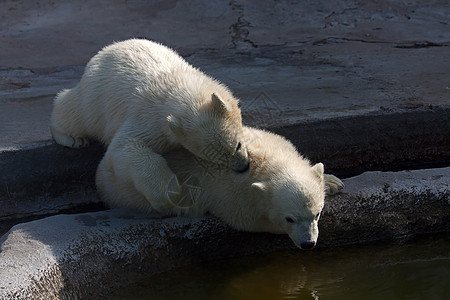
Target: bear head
<point>293,204</point>
<point>214,134</point>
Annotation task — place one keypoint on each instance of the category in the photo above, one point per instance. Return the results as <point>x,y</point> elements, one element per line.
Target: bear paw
<point>68,141</point>
<point>333,185</point>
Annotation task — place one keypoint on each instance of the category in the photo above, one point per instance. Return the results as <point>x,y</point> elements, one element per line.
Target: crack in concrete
<point>422,44</point>
<point>404,45</point>
<point>239,31</point>
<point>330,40</point>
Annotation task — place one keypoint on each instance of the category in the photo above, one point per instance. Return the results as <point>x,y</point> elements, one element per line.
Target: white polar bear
<point>142,99</point>
<point>282,193</point>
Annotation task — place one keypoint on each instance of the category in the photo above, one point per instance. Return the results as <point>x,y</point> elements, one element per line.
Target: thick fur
<point>281,193</point>
<point>142,99</point>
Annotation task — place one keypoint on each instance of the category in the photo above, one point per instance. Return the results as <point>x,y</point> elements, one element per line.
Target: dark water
<point>413,270</point>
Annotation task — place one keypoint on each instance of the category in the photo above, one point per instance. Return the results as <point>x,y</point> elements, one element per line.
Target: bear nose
<point>243,168</point>
<point>307,245</point>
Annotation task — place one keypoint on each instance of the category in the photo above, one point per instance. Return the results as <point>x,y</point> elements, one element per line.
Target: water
<point>418,270</point>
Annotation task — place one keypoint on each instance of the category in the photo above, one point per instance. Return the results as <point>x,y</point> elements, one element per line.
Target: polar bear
<point>281,193</point>
<point>142,99</point>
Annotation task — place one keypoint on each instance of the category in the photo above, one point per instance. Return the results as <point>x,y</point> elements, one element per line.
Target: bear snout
<point>242,168</point>
<point>240,161</point>
<point>307,245</point>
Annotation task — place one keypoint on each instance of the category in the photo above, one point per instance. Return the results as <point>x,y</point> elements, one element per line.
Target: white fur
<point>280,184</point>
<point>142,99</point>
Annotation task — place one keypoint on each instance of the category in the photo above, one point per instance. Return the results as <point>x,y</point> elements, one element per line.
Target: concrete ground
<point>306,60</point>
<point>359,86</point>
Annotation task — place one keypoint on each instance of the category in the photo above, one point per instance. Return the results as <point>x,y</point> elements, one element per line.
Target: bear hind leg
<point>145,171</point>
<point>116,191</point>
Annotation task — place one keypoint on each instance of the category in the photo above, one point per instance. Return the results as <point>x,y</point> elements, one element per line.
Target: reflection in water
<point>419,270</point>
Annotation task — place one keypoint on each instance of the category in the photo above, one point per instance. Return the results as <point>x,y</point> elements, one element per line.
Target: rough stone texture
<point>292,61</point>
<point>409,139</point>
<point>47,180</point>
<point>90,254</point>
<point>388,205</point>
<point>68,33</point>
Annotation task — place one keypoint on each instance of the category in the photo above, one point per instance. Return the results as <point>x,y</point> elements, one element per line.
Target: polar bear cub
<point>281,193</point>
<point>142,99</point>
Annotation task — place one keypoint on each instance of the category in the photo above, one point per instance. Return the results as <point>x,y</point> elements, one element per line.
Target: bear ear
<point>219,106</point>
<point>318,170</point>
<point>260,188</point>
<point>175,125</point>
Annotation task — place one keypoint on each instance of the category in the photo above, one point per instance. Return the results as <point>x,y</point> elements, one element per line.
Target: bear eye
<point>238,146</point>
<point>289,220</point>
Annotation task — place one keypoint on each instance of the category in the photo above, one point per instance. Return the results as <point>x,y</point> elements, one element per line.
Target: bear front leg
<point>67,122</point>
<point>116,191</point>
<point>146,171</point>
<point>333,185</point>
